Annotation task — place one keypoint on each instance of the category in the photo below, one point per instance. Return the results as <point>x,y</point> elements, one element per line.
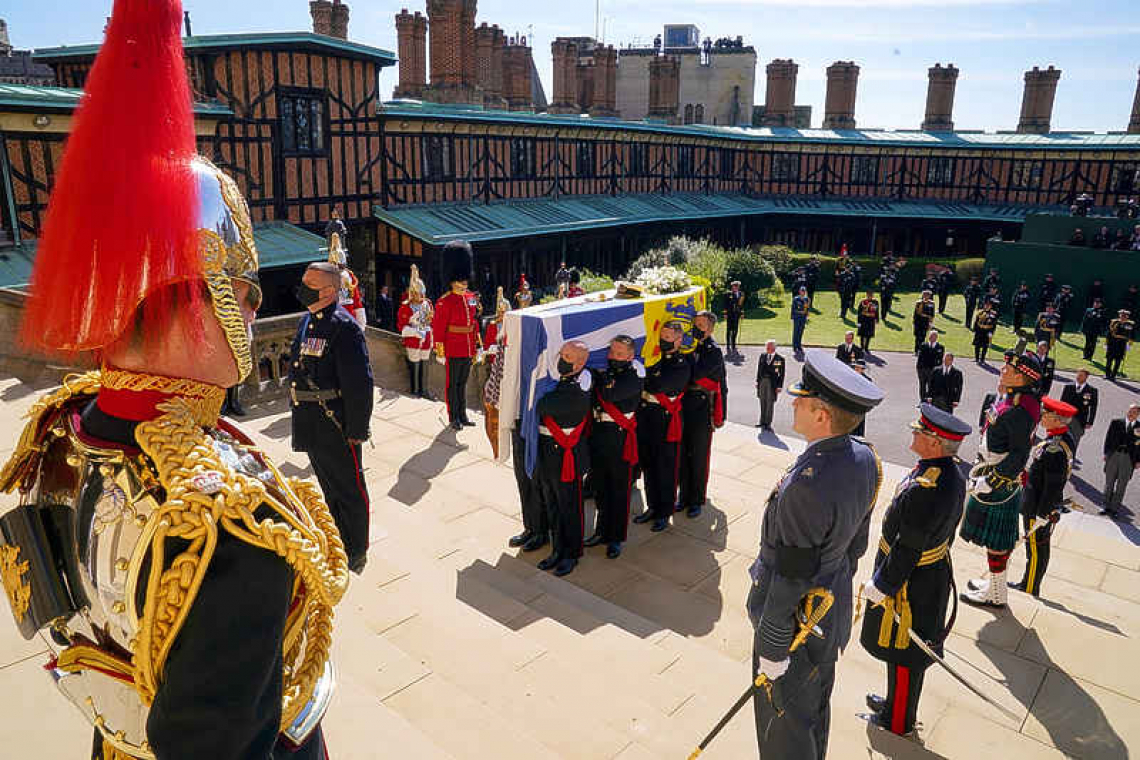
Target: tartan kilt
<point>993,523</point>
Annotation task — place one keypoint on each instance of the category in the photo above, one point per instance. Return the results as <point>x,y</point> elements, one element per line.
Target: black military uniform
<point>769,379</point>
<point>1121,331</point>
<point>991,280</point>
<point>1020,302</point>
<point>704,408</point>
<point>944,388</point>
<point>1092,325</point>
<point>929,357</point>
<point>848,353</point>
<point>659,432</point>
<point>1047,327</point>
<point>1131,300</point>
<point>868,320</point>
<point>733,311</point>
<point>848,284</point>
<point>811,537</point>
<point>811,273</point>
<point>1049,468</point>
<point>922,318</point>
<point>913,571</point>
<point>1048,370</point>
<point>946,280</point>
<point>930,282</point>
<point>563,458</point>
<point>984,325</point>
<point>613,452</point>
<point>1061,303</point>
<point>1048,292</point>
<point>971,294</point>
<point>330,388</point>
<point>993,298</point>
<point>536,527</point>
<point>887,283</point>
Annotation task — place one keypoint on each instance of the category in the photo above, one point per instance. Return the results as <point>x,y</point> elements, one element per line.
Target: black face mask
<point>616,365</point>
<point>564,367</point>
<point>666,345</point>
<point>698,333</point>
<point>306,295</point>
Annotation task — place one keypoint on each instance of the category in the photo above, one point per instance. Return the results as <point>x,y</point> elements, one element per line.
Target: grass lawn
<point>895,332</point>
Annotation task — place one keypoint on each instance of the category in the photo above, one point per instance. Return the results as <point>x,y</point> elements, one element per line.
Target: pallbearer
<point>613,443</point>
<point>704,408</point>
<point>912,574</point>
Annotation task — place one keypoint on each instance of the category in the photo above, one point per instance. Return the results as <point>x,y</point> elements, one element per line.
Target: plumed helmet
<point>502,305</point>
<point>455,262</point>
<point>415,284</point>
<point>337,254</point>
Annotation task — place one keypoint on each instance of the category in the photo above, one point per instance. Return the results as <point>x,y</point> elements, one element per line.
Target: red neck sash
<point>713,388</point>
<point>628,424</point>
<point>673,408</point>
<point>567,442</point>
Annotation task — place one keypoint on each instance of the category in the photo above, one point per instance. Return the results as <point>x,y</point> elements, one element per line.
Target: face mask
<point>306,295</point>
<point>698,333</point>
<point>617,365</point>
<point>666,345</point>
<point>564,367</point>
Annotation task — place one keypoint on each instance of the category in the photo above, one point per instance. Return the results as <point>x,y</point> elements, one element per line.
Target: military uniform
<point>921,320</point>
<point>733,311</point>
<point>984,326</point>
<point>769,379</point>
<point>613,450</point>
<point>456,330</point>
<point>1121,332</point>
<point>1020,301</point>
<point>536,526</point>
<point>887,283</point>
<point>811,273</point>
<point>1047,328</point>
<point>868,319</point>
<point>1092,325</point>
<point>913,571</point>
<point>848,284</point>
<point>991,280</point>
<point>660,423</point>
<point>704,408</point>
<point>1048,370</point>
<point>811,536</point>
<point>800,306</point>
<point>971,294</point>
<point>1085,399</point>
<point>330,391</point>
<point>929,358</point>
<point>945,283</point>
<point>563,459</point>
<point>1061,304</point>
<point>1050,465</point>
<point>1048,292</point>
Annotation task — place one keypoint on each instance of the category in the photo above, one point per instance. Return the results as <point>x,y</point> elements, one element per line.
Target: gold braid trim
<point>305,536</point>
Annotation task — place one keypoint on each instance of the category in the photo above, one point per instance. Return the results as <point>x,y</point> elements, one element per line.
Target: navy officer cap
<point>830,380</point>
<point>933,420</point>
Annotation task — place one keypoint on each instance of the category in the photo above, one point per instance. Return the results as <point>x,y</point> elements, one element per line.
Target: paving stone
<point>37,720</point>
<point>356,718</point>
<point>1083,719</point>
<point>960,734</point>
<point>678,558</point>
<point>1121,582</point>
<point>1064,643</point>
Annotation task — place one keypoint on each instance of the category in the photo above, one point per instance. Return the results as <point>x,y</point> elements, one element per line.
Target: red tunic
<point>412,339</point>
<point>455,326</point>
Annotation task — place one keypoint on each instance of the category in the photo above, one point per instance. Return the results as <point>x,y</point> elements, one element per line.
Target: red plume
<point>122,218</point>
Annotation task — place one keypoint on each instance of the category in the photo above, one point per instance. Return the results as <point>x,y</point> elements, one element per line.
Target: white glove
<point>774,669</point>
<point>980,485</point>
<point>871,592</point>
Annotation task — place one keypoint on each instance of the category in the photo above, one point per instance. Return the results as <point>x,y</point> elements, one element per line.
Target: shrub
<point>592,283</point>
<point>755,273</point>
<point>781,257</point>
<point>676,252</point>
<point>967,268</point>
<point>773,297</point>
<point>707,285</point>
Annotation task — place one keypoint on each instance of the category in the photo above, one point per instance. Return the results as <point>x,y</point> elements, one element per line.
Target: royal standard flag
<point>535,336</point>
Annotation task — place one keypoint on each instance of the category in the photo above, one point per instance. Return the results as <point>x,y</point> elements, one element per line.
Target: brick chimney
<point>564,54</point>
<point>516,74</point>
<point>489,64</point>
<point>321,11</point>
<point>780,94</point>
<point>839,106</point>
<point>411,45</point>
<point>467,52</point>
<point>1134,122</point>
<point>338,24</point>
<point>1037,101</point>
<point>452,62</point>
<point>664,88</point>
<point>604,100</point>
<point>940,98</point>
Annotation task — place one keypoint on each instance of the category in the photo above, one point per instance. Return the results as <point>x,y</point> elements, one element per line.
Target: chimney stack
<point>338,24</point>
<point>664,88</point>
<point>1037,102</point>
<point>604,100</point>
<point>452,54</point>
<point>1134,122</point>
<point>517,64</point>
<point>940,98</point>
<point>839,106</point>
<point>564,53</point>
<point>780,94</point>
<point>489,64</point>
<point>321,11</point>
<point>467,52</point>
<point>411,41</point>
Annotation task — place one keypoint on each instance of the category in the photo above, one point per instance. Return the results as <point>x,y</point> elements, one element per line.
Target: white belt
<point>543,431</point>
<point>606,417</point>
<point>647,396</point>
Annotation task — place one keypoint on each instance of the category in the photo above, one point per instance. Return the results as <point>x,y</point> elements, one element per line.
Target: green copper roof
<point>279,244</point>
<point>870,138</point>
<point>204,42</point>
<point>26,97</point>
<point>438,223</point>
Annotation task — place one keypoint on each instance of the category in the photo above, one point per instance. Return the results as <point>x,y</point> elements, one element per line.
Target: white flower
<point>666,279</point>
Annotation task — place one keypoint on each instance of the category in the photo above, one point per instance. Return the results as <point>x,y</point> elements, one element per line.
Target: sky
<point>992,42</point>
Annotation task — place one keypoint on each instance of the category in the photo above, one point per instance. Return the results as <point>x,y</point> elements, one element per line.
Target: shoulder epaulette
<point>929,477</point>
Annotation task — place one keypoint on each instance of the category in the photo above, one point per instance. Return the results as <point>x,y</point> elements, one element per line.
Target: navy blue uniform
<point>699,408</point>
<point>611,471</point>
<point>1020,301</point>
<point>563,409</point>
<point>660,457</point>
<point>329,361</point>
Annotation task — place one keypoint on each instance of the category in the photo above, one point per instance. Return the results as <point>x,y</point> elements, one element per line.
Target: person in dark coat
<point>704,408</point>
<point>912,575</point>
<point>331,391</point>
<point>1048,368</point>
<point>1121,332</point>
<point>847,351</point>
<point>385,315</point>
<point>992,281</point>
<point>946,280</point>
<point>929,357</point>
<point>971,293</point>
<point>811,276</point>
<point>1020,301</point>
<point>1121,458</point>
<point>769,382</point>
<point>564,457</point>
<point>922,318</point>
<point>812,536</point>
<point>1092,327</point>
<point>800,307</point>
<point>1047,292</point>
<point>733,311</point>
<point>944,386</point>
<point>984,325</point>
<point>1084,398</point>
<point>868,320</point>
<point>1048,326</point>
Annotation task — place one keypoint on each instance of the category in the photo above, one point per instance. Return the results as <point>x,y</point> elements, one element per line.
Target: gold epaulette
<point>929,477</point>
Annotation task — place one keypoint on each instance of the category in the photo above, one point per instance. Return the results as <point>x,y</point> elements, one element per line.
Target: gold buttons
<point>73,460</point>
<point>118,608</point>
<point>121,564</point>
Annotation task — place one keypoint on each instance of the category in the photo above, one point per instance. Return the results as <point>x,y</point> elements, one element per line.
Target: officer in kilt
<point>913,576</point>
<point>995,482</point>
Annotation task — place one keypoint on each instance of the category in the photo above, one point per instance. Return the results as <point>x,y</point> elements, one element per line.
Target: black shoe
<point>356,564</point>
<point>466,423</point>
<point>1111,513</point>
<point>643,518</point>
<point>520,539</point>
<point>565,567</point>
<point>1019,586</point>
<point>881,721</point>
<point>594,540</point>
<point>457,425</point>
<point>535,543</point>
<point>876,704</point>
<point>237,410</point>
<point>694,511</point>
<point>613,551</point>
<point>549,562</point>
<point>660,524</point>
<point>427,396</point>
<point>760,425</point>
<point>678,508</point>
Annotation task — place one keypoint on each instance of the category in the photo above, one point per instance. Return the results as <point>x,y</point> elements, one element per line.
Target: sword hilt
<point>813,608</point>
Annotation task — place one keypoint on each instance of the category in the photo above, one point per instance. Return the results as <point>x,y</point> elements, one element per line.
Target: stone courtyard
<point>453,646</point>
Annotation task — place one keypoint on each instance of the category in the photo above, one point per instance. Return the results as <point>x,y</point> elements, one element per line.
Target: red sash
<point>567,442</point>
<point>673,434</point>
<point>713,387</point>
<point>628,424</point>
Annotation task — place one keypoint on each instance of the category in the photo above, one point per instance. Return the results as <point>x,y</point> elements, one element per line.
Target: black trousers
<point>923,380</point>
<point>660,460</point>
<point>888,298</point>
<point>612,480</point>
<point>1018,318</point>
<point>943,403</point>
<point>1036,555</point>
<point>970,307</point>
<point>457,372</point>
<point>696,452</point>
<point>865,343</point>
<point>904,687</point>
<point>980,352</point>
<point>530,500</point>
<point>1090,345</point>
<point>942,302</point>
<point>416,377</point>
<point>804,693</point>
<point>1112,362</point>
<point>342,481</point>
<point>732,329</point>
<point>918,338</point>
<point>562,501</point>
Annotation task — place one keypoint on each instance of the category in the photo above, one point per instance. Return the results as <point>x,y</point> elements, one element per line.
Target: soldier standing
<point>1092,325</point>
<point>971,293</point>
<point>1047,293</point>
<point>984,325</point>
<point>800,307</point>
<point>995,482</point>
<point>456,329</point>
<point>704,408</point>
<point>912,575</point>
<point>922,318</point>
<point>563,457</point>
<point>1084,398</point>
<point>733,311</point>
<point>613,444</point>
<point>1050,465</point>
<point>868,319</point>
<point>1020,301</point>
<point>1048,368</point>
<point>811,274</point>
<point>769,382</point>
<point>812,536</point>
<point>1048,326</point>
<point>929,357</point>
<point>1121,331</point>
<point>992,281</point>
<point>887,283</point>
<point>946,280</point>
<point>660,424</point>
<point>413,321</point>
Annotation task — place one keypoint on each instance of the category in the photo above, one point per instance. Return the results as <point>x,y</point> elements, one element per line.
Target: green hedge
<point>909,279</point>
